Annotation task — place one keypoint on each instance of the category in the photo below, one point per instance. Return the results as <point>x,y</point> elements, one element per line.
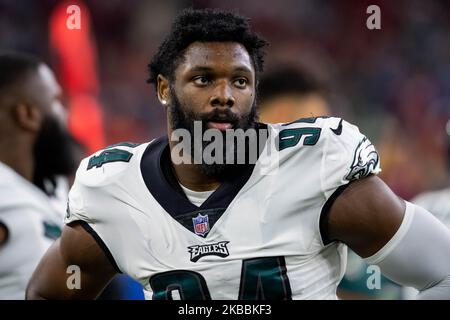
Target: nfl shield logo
<point>201,225</point>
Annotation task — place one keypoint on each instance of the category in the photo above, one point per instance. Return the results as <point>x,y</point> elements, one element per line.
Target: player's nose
<point>222,95</point>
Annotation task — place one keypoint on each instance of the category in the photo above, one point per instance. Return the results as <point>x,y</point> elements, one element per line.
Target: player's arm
<point>76,247</point>
<point>409,245</point>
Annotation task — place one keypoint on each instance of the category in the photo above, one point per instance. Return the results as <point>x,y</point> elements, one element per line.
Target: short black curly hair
<point>204,25</point>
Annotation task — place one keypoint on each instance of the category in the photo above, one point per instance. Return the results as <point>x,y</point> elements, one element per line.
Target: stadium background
<point>394,83</point>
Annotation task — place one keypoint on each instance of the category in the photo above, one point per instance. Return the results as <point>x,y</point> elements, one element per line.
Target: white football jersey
<point>32,223</point>
<point>255,237</point>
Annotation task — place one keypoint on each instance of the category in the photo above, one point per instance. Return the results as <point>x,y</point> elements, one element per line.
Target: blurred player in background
<point>287,94</point>
<point>32,136</point>
<point>54,175</point>
<point>227,231</point>
<point>438,201</point>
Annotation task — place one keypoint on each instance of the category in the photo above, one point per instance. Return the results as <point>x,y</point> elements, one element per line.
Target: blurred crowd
<point>394,82</point>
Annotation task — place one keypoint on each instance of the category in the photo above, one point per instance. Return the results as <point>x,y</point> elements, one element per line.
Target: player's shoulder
<point>334,143</point>
<point>109,164</point>
<point>435,201</point>
<point>433,194</point>
<point>336,125</point>
<point>317,131</point>
<point>311,121</point>
<point>16,197</point>
<point>16,192</point>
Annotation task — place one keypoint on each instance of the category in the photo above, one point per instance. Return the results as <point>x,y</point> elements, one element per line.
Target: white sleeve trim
<point>418,255</point>
<point>398,236</point>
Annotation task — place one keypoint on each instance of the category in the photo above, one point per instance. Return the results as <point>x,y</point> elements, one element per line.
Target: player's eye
<point>240,83</point>
<point>201,80</point>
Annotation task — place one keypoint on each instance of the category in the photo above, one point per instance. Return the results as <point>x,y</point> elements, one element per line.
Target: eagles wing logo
<point>365,160</point>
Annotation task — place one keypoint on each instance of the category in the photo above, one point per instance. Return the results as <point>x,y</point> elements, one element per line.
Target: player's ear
<point>27,116</point>
<point>163,89</point>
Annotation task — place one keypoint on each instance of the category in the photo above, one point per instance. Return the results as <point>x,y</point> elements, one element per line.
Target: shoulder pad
<point>304,131</point>
<point>106,165</point>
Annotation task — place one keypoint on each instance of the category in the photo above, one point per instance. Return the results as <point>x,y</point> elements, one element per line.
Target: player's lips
<point>219,125</point>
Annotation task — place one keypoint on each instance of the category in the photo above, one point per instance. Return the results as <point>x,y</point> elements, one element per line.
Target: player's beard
<point>182,118</point>
<point>56,153</point>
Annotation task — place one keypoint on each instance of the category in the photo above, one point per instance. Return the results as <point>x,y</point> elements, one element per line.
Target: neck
<point>190,175</point>
<point>17,154</point>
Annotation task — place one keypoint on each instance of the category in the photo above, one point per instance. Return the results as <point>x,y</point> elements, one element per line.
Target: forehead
<point>216,55</point>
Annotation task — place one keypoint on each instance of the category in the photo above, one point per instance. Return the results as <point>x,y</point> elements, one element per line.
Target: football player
<point>32,133</point>
<point>275,228</point>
